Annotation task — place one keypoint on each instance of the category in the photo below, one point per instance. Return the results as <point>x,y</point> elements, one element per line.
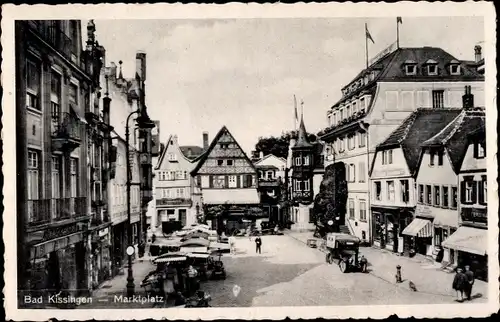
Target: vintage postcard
<point>249,161</point>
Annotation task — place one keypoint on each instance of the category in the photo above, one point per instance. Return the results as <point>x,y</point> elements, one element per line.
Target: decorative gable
<point>224,156</point>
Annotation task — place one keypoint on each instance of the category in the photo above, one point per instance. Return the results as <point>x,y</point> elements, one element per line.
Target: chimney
<point>261,155</point>
<point>468,98</point>
<point>205,141</point>
<point>140,65</point>
<point>478,54</point>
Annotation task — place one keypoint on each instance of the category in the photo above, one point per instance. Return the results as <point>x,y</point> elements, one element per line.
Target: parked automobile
<point>345,249</point>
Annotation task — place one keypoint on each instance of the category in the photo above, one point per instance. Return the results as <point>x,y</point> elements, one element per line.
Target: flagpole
<point>366,44</point>
<point>397,33</point>
<point>294,113</point>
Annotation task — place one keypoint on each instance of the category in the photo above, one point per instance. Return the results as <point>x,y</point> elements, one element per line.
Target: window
<point>229,162</point>
<point>389,157</point>
<point>220,162</point>
<point>421,193</point>
<point>440,157</point>
<point>437,195</point>
<point>341,145</point>
<point>362,139</point>
<point>411,69</point>
<point>270,175</point>
<point>350,142</point>
<point>483,191</point>
<point>362,103</point>
<point>455,69</point>
<point>297,185</point>
<point>354,108</point>
<point>405,190</point>
<point>432,154</point>
<point>224,146</point>
<point>432,70</point>
<point>351,209</point>
<point>362,172</point>
<point>479,151</point>
<point>390,190</point>
<point>438,99</point>
<point>352,173</point>
<point>172,157</point>
<point>298,161</point>
<point>362,210</point>
<point>341,114</point>
<point>348,111</point>
<point>445,202</point>
<point>378,190</point>
<point>335,119</point>
<point>33,85</point>
<point>33,175</point>
<point>329,120</point>
<point>56,177</point>
<point>73,94</point>
<point>305,185</point>
<point>454,197</point>
<point>185,175</point>
<point>74,177</point>
<point>306,160</point>
<point>428,191</point>
<point>469,191</point>
<point>438,236</point>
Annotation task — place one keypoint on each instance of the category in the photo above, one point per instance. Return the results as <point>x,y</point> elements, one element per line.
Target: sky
<point>242,73</point>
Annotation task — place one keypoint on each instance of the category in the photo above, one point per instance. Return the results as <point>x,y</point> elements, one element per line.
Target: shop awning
<point>231,196</point>
<point>468,239</point>
<point>446,219</point>
<point>170,259</point>
<point>419,228</point>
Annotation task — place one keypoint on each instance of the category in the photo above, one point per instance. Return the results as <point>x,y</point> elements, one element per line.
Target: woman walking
<point>459,284</point>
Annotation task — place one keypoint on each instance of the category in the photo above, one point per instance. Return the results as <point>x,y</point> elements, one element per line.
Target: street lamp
<point>143,122</point>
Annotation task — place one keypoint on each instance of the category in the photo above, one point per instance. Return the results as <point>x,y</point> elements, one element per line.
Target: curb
<point>400,285</point>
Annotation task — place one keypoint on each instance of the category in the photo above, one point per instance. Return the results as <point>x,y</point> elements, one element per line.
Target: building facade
<point>175,207</point>
<point>437,182</point>
<point>271,181</point>
<point>392,176</point>
<point>375,103</point>
<point>306,173</point>
<point>227,180</point>
<point>470,240</point>
<point>56,79</point>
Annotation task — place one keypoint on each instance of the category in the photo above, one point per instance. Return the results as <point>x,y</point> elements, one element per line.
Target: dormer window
<point>432,69</point>
<point>411,70</point>
<point>455,69</point>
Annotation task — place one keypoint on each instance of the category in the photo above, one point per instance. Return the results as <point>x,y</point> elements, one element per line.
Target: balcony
<point>66,132</point>
<point>44,211</point>
<point>269,182</point>
<point>174,202</point>
<point>38,211</point>
<point>342,126</point>
<point>304,197</point>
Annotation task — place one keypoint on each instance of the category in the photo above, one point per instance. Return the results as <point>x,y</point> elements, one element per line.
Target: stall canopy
<point>419,228</point>
<point>468,239</point>
<point>198,255</point>
<point>170,257</point>
<point>195,242</point>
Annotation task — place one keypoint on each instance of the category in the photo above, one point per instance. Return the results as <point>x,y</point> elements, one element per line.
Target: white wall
<point>436,174</point>
<point>274,161</point>
<point>471,163</point>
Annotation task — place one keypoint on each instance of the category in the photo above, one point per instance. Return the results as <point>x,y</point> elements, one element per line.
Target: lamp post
<point>143,122</point>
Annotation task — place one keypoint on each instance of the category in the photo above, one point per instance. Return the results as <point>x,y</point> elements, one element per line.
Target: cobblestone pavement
<point>288,273</point>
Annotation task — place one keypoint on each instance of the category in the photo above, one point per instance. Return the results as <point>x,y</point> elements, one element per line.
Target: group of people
<point>462,283</point>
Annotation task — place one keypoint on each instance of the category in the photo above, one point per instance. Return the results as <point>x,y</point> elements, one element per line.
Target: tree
<point>330,202</point>
<point>279,145</point>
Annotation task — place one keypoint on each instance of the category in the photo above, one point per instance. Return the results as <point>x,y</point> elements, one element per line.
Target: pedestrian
<point>258,245</point>
<point>191,274</point>
<point>459,284</point>
<point>232,245</point>
<point>470,282</point>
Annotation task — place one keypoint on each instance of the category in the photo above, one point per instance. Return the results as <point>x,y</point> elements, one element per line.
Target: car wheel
<point>343,266</point>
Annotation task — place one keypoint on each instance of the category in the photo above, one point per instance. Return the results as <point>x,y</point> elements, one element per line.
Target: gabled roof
<point>163,153</point>
<point>418,127</point>
<point>202,158</point>
<point>191,151</point>
<point>268,156</point>
<point>454,137</point>
<point>390,68</point>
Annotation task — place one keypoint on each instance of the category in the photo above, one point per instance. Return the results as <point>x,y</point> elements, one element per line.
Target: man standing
<point>470,282</point>
<point>459,284</point>
<point>258,244</point>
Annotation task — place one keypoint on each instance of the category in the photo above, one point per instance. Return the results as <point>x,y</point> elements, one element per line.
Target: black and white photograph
<point>260,161</point>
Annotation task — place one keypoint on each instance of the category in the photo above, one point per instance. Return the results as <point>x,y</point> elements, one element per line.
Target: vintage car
<point>344,248</point>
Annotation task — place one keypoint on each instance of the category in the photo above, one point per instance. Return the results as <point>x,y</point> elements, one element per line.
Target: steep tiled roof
<point>391,68</point>
<point>416,129</point>
<point>454,137</point>
<point>302,141</point>
<point>191,151</point>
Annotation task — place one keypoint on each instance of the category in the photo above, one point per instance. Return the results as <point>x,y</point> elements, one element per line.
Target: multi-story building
<point>306,166</point>
<point>375,103</point>
<point>271,180</point>
<point>227,180</point>
<point>125,95</point>
<point>437,178</point>
<point>470,240</point>
<point>55,80</point>
<point>392,176</point>
<point>173,183</point>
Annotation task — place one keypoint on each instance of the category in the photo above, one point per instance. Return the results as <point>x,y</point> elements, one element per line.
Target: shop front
<point>388,225</point>
<point>57,260</point>
<point>471,245</point>
<point>100,256</point>
<point>118,246</point>
<point>418,235</point>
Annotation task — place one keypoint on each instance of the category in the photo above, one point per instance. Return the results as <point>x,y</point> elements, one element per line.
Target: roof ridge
<point>459,120</point>
<point>411,121</point>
